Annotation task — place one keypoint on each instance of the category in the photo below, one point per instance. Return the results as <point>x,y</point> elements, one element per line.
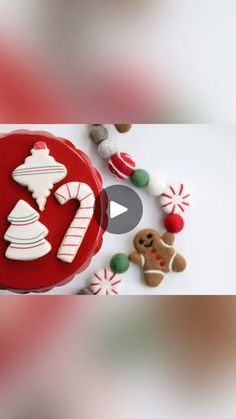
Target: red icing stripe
<point>166,196</point>
<point>61,196</point>
<point>68,189</point>
<point>26,248</point>
<point>22,224</point>
<point>115,283</point>
<point>172,190</point>
<point>73,235</point>
<point>112,277</point>
<point>100,289</point>
<point>78,228</point>
<point>180,206</point>
<point>181,189</point>
<point>23,172</point>
<point>78,190</point>
<point>69,245</point>
<point>166,205</point>
<point>85,197</point>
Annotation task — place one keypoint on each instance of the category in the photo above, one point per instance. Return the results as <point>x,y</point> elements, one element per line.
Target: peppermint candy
<point>105,282</point>
<point>175,200</point>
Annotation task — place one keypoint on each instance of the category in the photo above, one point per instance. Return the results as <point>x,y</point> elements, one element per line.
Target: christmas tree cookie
<point>39,173</point>
<point>26,234</point>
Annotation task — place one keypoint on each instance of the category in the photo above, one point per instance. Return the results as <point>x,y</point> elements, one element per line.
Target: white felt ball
<point>156,186</point>
<point>107,149</point>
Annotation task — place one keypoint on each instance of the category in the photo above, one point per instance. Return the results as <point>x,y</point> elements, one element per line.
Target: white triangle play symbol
<point>116,209</point>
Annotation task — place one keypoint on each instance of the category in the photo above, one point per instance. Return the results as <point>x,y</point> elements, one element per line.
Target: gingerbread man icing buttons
<point>46,271</point>
<point>156,255</point>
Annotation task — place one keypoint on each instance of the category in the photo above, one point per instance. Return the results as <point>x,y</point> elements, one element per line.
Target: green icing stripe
<point>31,238</point>
<point>22,218</point>
<point>26,244</point>
<point>38,173</point>
<point>38,167</point>
<point>18,220</point>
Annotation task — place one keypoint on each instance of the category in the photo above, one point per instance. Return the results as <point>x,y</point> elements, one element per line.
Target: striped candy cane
<point>77,230</point>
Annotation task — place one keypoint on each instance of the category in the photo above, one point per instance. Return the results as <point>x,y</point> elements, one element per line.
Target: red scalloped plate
<point>47,272</point>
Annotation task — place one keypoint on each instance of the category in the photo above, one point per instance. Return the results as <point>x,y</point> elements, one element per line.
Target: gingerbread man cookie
<point>156,255</point>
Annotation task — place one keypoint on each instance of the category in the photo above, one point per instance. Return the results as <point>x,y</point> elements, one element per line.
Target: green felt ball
<point>140,178</point>
<point>119,263</point>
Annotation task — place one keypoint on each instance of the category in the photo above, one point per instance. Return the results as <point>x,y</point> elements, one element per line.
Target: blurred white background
<point>189,46</point>
<point>202,157</point>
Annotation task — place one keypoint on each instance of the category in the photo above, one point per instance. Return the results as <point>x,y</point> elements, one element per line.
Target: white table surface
<point>202,156</point>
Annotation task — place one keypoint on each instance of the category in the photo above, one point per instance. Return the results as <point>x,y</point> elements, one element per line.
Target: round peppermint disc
<point>105,282</point>
<point>176,199</point>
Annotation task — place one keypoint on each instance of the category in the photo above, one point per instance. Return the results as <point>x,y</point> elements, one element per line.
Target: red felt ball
<point>174,223</point>
<point>121,165</point>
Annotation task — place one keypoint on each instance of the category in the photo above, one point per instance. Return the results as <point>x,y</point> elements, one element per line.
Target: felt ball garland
<point>174,199</point>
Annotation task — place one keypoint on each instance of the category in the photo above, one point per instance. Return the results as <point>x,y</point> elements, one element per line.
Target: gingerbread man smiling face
<point>156,255</point>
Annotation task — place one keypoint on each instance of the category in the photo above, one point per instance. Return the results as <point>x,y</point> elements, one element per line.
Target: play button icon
<point>124,209</point>
<point>116,210</point>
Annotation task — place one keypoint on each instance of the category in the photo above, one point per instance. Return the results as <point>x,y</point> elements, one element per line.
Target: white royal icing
<point>26,234</point>
<point>79,226</point>
<point>39,173</point>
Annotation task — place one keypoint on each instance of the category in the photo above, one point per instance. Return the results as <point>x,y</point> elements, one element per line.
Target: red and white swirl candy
<point>105,282</point>
<point>121,165</point>
<point>77,230</point>
<point>175,200</point>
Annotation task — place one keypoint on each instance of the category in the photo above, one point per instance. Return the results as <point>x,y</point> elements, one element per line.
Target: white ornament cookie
<point>26,234</point>
<point>175,200</point>
<point>79,226</point>
<point>39,173</point>
<point>105,282</point>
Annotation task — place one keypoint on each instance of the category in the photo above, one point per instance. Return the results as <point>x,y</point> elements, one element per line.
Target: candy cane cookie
<point>79,226</point>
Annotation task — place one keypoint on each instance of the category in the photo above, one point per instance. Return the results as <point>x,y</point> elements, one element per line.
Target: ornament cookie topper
<point>40,173</point>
